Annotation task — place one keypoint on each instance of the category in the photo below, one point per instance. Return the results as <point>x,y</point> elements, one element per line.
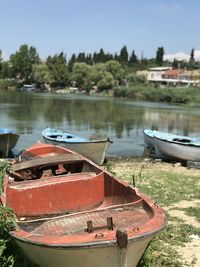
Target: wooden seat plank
<point>45,161</point>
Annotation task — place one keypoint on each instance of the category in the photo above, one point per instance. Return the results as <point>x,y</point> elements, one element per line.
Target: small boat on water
<point>177,147</point>
<point>94,148</point>
<point>71,212</point>
<point>8,140</point>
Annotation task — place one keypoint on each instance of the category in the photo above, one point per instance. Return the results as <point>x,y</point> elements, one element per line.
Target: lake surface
<point>121,120</point>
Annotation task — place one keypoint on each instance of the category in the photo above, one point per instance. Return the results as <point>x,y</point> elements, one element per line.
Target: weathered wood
<point>45,161</point>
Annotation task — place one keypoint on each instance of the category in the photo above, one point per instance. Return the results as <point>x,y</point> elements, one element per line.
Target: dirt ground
<point>191,251</point>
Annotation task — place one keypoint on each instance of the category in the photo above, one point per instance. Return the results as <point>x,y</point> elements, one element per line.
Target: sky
<point>74,26</point>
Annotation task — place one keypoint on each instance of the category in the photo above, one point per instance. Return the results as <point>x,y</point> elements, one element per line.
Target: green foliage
<point>58,70</point>
<point>4,167</point>
<point>22,62</point>
<point>194,212</point>
<point>7,221</point>
<point>107,81</point>
<point>41,74</point>
<point>80,74</point>
<point>157,94</point>
<point>6,83</point>
<point>134,79</point>
<point>159,56</point>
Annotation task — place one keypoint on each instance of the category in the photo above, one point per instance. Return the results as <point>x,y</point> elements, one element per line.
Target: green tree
<point>22,62</point>
<point>71,62</point>
<point>133,59</point>
<point>134,79</point>
<point>81,57</point>
<point>106,82</point>
<point>80,74</point>
<point>159,56</point>
<point>116,69</point>
<point>41,75</point>
<point>57,66</point>
<point>192,55</point>
<point>123,57</point>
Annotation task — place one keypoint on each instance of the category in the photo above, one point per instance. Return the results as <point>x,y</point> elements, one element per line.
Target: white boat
<point>176,147</point>
<point>8,140</point>
<point>71,212</point>
<point>94,148</point>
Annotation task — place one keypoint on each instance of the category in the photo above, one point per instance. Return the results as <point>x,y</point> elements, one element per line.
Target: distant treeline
<point>99,71</point>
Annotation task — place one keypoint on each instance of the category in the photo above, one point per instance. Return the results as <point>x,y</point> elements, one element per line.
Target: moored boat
<point>148,137</point>
<point>92,148</point>
<point>71,212</point>
<point>176,147</point>
<point>8,140</point>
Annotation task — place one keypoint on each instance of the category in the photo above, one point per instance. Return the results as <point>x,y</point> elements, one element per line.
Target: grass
<point>194,212</point>
<point>169,186</point>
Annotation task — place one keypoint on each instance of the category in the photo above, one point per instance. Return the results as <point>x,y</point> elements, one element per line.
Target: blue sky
<point>73,26</point>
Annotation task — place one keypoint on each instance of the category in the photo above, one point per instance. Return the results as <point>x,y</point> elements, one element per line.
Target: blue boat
<point>94,148</point>
<point>173,146</point>
<point>8,140</point>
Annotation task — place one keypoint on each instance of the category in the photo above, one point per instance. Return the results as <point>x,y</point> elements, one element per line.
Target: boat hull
<point>94,150</point>
<point>109,255</point>
<point>171,150</point>
<point>148,138</point>
<point>7,142</point>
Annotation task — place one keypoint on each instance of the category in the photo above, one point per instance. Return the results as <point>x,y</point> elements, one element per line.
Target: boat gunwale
<point>86,245</point>
<point>107,140</point>
<point>177,143</point>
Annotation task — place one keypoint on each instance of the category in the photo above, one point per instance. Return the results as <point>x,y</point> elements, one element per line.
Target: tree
<point>133,59</point>
<point>115,68</point>
<point>41,74</point>
<point>192,55</point>
<point>106,82</point>
<point>80,74</point>
<point>22,62</point>
<point>159,56</point>
<point>57,66</point>
<point>81,57</point>
<point>71,62</point>
<point>134,79</point>
<point>123,57</point>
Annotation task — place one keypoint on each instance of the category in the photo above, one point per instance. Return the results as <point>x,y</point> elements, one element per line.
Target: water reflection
<point>122,121</point>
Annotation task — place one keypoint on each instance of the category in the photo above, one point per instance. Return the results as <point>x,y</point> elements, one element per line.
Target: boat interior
<point>63,186</point>
<point>72,193</point>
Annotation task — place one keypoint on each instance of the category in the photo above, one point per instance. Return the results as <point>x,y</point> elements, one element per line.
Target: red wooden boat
<point>71,212</point>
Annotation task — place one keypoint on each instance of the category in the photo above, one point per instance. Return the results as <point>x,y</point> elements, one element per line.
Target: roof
<point>173,72</point>
<point>160,68</point>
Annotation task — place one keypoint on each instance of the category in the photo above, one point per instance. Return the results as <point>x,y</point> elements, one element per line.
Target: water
<point>121,120</point>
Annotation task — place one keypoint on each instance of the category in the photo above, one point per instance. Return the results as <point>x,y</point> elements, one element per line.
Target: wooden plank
<point>51,160</point>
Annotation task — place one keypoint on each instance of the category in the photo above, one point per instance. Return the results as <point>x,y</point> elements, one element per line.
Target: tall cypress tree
<point>133,59</point>
<point>123,57</point>
<point>159,56</point>
<point>192,55</point>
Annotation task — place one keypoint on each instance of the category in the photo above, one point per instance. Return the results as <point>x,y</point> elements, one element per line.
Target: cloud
<point>182,56</point>
<point>170,8</point>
